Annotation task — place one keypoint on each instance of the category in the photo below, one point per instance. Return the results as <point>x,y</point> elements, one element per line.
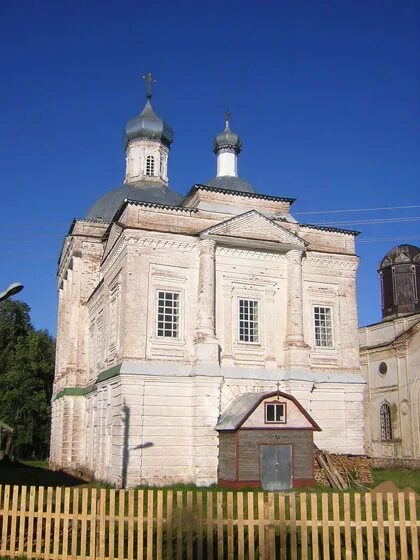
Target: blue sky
<point>324,95</point>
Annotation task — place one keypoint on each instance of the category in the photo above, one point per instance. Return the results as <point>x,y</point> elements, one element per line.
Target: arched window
<point>150,166</point>
<point>386,426</point>
<point>414,278</point>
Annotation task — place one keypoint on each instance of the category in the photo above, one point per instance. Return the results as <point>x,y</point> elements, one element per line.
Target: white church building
<point>174,309</point>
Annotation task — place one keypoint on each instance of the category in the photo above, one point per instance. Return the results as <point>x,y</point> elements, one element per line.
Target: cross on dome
<point>149,80</point>
<point>227,118</point>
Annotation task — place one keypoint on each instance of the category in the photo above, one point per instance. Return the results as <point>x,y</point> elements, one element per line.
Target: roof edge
<point>267,396</point>
<point>332,229</point>
<point>173,207</point>
<point>199,186</point>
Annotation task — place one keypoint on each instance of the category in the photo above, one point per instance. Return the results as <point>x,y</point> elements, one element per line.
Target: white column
<point>297,352</point>
<point>206,289</point>
<point>227,354</point>
<point>205,336</point>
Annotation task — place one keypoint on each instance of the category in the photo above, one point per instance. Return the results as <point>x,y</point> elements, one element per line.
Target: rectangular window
<point>248,320</point>
<point>323,327</point>
<point>168,314</point>
<point>275,413</point>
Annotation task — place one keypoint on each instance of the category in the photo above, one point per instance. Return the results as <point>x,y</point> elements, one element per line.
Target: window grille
<point>323,327</point>
<point>386,426</point>
<point>248,320</point>
<point>168,314</point>
<point>150,166</point>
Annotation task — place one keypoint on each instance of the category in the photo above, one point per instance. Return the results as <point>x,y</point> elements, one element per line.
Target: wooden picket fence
<point>104,524</point>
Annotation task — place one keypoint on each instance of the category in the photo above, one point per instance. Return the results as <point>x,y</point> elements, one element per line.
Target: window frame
<point>331,346</point>
<point>257,322</point>
<point>150,166</point>
<point>381,283</point>
<point>179,299</point>
<point>274,403</point>
<point>385,422</point>
<point>414,281</point>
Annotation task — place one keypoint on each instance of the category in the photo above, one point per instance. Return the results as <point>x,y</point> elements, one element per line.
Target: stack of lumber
<point>342,471</point>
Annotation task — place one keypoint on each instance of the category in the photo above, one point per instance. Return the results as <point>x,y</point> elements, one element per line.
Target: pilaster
<point>206,344</point>
<point>296,351</point>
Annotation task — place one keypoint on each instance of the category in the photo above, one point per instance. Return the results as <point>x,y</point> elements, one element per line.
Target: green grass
<point>37,473</point>
<point>36,464</point>
<point>401,478</point>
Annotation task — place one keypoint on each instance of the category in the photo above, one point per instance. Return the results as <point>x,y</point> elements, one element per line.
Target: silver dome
<point>227,140</point>
<point>150,126</point>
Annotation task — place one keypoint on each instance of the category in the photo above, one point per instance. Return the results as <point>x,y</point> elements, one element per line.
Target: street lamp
<point>13,289</point>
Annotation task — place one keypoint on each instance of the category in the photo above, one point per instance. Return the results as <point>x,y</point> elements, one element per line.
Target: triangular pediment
<point>254,226</point>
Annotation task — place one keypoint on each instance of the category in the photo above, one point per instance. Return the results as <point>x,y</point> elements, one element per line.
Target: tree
<point>26,379</point>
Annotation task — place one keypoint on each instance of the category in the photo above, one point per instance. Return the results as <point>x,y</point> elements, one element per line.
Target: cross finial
<point>227,117</point>
<point>149,80</point>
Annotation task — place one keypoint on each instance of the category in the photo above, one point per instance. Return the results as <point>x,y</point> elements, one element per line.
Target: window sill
<point>325,350</point>
<point>165,341</point>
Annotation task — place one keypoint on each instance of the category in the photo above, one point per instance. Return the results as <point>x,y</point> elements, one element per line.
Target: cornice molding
<point>110,259</point>
<point>329,263</point>
<point>253,253</point>
<point>164,243</point>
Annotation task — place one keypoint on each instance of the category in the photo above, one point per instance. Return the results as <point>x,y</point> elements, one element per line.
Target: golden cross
<point>150,80</point>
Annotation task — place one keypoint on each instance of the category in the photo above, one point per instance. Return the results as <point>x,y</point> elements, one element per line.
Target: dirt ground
<point>388,487</point>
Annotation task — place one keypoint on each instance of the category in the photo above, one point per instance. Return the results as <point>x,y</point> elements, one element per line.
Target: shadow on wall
<point>126,448</point>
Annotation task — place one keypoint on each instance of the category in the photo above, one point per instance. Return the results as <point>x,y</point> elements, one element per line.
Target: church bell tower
<point>148,139</point>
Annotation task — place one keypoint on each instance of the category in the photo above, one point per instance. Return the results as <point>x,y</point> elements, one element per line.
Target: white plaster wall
<point>329,280</point>
<point>160,429</point>
<point>256,275</point>
<point>399,386</point>
<point>413,392</point>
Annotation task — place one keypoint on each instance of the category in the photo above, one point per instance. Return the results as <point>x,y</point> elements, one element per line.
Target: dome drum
<point>399,273</point>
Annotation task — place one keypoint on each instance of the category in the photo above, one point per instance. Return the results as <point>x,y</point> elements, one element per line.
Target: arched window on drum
<point>150,166</point>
